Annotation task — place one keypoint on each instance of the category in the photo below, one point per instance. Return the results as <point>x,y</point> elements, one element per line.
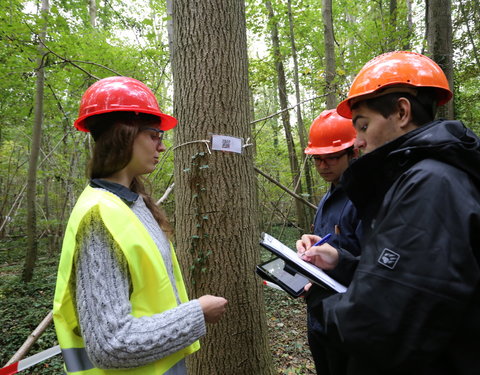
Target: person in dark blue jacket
<point>330,143</point>
<point>413,302</point>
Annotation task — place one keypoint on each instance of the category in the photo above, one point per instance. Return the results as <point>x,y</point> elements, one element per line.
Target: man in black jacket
<point>413,304</point>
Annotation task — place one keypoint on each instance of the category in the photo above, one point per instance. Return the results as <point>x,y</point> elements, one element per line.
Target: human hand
<point>324,256</point>
<point>306,243</point>
<point>307,287</point>
<point>213,307</point>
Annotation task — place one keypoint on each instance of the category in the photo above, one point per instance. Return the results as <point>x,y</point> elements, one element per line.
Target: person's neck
<point>120,178</point>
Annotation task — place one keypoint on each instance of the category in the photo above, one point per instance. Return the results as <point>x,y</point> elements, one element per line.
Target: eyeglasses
<point>156,134</point>
<point>331,161</point>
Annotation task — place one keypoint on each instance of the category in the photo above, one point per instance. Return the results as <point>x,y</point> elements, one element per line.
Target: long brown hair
<point>114,134</point>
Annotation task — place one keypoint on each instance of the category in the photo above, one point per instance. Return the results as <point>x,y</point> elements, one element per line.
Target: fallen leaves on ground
<point>287,329</point>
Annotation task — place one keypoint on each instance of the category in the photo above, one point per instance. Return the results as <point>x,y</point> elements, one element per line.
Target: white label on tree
<point>227,143</point>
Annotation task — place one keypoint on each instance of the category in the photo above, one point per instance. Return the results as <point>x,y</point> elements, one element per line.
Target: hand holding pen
<point>320,253</point>
<point>318,243</point>
<point>322,240</point>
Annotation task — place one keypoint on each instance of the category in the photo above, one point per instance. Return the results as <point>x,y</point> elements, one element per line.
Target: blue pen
<point>323,240</point>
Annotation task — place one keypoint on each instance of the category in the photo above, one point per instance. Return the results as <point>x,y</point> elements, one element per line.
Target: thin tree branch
<point>283,187</point>
<point>166,194</point>
<point>31,339</point>
<point>287,109</point>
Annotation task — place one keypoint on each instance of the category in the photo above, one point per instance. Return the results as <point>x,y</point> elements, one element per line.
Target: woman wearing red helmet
<point>413,303</point>
<point>120,303</point>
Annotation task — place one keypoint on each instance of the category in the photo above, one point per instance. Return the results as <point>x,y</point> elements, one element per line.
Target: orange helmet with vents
<point>330,133</point>
<point>396,70</point>
<point>116,94</point>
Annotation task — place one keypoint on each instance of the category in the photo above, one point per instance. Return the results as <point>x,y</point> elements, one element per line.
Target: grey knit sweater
<point>113,337</point>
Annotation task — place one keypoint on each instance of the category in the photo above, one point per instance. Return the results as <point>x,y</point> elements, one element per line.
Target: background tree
<point>329,41</point>
<point>302,133</point>
<point>285,116</point>
<point>215,212</point>
<point>31,255</point>
<point>466,42</point>
<point>439,38</point>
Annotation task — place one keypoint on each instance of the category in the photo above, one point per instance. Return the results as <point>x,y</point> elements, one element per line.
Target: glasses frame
<point>160,133</point>
<point>331,161</point>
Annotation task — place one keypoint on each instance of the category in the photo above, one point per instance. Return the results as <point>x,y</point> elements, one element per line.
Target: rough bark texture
<point>439,38</point>
<point>216,205</point>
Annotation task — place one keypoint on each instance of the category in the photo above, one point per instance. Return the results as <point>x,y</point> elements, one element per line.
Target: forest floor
<point>287,329</point>
<point>24,306</point>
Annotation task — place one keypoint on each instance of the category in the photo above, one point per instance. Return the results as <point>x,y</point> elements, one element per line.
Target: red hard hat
<point>329,133</point>
<point>115,94</point>
<point>397,69</point>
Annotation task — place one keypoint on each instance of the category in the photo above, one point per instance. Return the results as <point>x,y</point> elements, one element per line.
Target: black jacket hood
<point>369,177</point>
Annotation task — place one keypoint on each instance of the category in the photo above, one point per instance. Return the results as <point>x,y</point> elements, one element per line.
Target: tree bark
<point>282,95</point>
<point>215,193</point>
<point>329,43</point>
<point>32,247</point>
<point>439,38</point>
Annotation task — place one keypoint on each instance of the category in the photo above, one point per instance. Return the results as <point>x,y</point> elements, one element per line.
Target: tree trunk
<point>282,95</point>
<point>169,9</point>
<point>392,26</point>
<point>301,128</point>
<point>439,38</point>
<point>329,53</point>
<point>92,11</point>
<point>215,193</point>
<point>407,42</point>
<point>466,22</point>
<point>31,229</point>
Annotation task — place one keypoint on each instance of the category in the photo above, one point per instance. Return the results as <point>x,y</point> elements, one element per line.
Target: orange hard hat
<point>117,94</point>
<point>396,69</point>
<point>329,133</point>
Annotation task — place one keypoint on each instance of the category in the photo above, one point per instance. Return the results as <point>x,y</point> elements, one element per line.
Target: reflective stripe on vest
<point>76,359</point>
<point>152,291</point>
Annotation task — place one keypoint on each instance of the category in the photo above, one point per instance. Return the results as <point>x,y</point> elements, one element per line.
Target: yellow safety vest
<point>152,291</point>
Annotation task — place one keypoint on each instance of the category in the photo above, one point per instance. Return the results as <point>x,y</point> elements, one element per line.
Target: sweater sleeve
<point>113,337</point>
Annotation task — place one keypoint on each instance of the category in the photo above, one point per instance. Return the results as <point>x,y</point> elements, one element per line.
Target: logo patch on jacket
<point>388,258</point>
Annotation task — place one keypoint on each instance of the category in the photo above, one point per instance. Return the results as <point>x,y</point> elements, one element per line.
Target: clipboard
<point>292,260</point>
<point>276,271</point>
